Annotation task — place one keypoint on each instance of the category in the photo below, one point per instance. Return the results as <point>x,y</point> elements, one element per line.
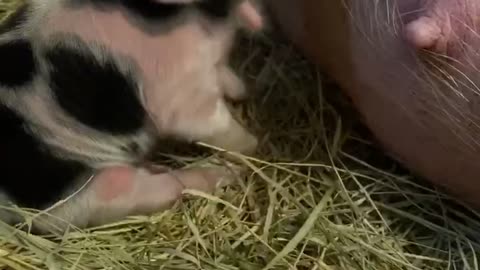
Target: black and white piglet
<point>86,88</point>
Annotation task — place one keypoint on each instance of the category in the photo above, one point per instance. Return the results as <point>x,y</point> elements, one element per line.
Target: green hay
<point>7,7</point>
<point>319,195</point>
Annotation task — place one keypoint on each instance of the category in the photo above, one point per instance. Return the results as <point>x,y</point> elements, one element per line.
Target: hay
<point>319,195</point>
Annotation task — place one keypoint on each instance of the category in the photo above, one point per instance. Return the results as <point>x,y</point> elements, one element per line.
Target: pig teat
<point>423,33</point>
<point>443,26</point>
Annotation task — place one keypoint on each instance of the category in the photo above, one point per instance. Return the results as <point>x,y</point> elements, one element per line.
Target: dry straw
<point>319,195</point>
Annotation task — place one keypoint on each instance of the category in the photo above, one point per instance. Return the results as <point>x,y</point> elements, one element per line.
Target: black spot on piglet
<point>18,64</point>
<point>157,11</point>
<point>30,174</point>
<point>216,9</point>
<point>147,9</point>
<point>95,94</point>
<point>152,10</point>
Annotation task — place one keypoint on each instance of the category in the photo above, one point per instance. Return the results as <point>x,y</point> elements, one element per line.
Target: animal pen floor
<point>320,194</point>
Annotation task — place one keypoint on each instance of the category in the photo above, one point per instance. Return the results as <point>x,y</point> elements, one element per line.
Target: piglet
<point>87,88</point>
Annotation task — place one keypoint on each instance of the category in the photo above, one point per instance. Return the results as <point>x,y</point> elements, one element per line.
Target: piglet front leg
<point>117,192</point>
<point>231,136</point>
<point>229,133</point>
<point>221,129</point>
<point>199,112</point>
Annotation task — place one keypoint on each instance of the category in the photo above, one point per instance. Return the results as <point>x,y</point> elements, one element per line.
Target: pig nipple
<point>423,33</point>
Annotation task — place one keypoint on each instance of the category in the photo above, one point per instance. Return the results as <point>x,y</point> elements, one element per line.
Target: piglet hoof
<point>247,146</point>
<point>250,144</point>
<point>207,180</point>
<point>233,87</point>
<point>444,27</point>
<point>241,141</point>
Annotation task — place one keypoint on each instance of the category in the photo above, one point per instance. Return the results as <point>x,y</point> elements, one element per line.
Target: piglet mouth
<point>444,26</point>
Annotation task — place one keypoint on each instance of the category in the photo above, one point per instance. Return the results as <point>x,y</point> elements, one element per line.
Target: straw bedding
<point>320,194</point>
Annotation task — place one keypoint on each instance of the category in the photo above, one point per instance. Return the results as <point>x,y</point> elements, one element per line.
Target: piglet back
<point>31,173</point>
<point>66,109</point>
